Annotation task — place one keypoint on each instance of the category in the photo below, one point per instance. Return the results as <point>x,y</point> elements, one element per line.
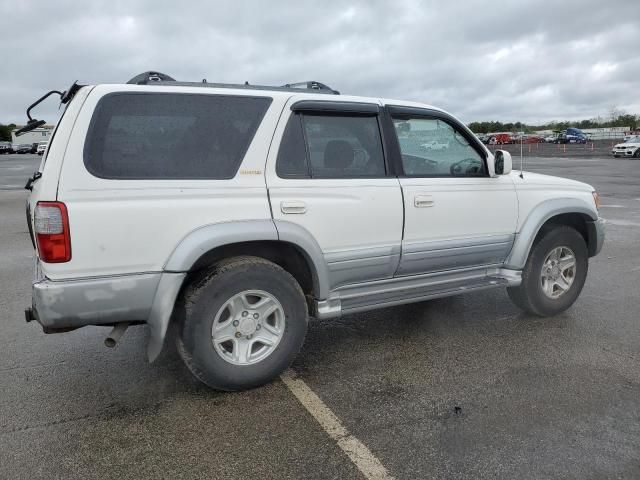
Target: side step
<point>416,288</point>
<point>353,305</point>
<point>370,302</point>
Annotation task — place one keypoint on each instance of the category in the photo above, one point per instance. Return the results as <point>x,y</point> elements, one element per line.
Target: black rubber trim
<point>592,238</point>
<point>321,106</point>
<point>391,146</point>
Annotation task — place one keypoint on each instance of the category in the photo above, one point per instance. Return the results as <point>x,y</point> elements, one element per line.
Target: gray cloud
<point>533,61</point>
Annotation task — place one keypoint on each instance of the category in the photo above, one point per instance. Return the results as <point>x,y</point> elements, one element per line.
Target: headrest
<point>338,154</point>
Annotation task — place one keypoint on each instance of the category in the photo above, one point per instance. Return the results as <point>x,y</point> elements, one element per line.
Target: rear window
<point>171,136</point>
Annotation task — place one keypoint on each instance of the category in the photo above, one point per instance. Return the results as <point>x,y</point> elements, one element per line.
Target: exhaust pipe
<point>115,335</point>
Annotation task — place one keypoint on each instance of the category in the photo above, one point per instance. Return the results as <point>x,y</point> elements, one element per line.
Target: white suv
<point>237,212</point>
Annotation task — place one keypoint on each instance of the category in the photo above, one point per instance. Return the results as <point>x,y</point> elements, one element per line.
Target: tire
<point>207,301</point>
<point>530,295</point>
<point>636,154</point>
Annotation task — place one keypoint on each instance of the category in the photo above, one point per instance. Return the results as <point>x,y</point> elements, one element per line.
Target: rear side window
<point>331,146</point>
<point>171,136</point>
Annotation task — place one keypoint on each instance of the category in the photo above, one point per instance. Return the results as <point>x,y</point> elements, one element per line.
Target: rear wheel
<point>244,322</point>
<point>554,274</point>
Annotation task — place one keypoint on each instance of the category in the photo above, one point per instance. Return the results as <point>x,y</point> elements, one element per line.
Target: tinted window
<point>171,136</point>
<point>292,156</point>
<point>432,147</point>
<point>341,146</point>
<point>331,146</point>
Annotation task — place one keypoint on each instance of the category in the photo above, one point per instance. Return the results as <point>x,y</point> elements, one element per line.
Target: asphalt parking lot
<point>463,387</point>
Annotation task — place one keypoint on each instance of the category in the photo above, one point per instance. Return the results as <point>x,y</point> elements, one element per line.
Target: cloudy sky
<point>526,60</point>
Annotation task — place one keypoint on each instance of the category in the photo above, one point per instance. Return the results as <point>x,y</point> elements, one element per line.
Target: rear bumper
<point>146,297</point>
<point>596,231</point>
<point>59,305</point>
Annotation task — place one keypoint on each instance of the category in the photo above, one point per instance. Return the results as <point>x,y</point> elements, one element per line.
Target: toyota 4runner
<point>237,212</point>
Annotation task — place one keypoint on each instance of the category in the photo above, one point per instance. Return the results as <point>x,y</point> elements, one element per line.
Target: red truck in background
<point>501,139</point>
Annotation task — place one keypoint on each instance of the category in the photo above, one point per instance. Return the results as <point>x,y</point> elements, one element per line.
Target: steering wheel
<point>458,169</point>
<point>419,164</point>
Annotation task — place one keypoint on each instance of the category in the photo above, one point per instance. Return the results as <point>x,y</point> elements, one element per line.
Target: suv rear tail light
<point>52,232</point>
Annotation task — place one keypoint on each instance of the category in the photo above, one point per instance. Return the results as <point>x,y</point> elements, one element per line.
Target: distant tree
<point>626,120</point>
<point>5,132</point>
<point>615,118</point>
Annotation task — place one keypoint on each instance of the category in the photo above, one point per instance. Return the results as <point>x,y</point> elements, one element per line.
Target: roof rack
<point>157,78</point>
<point>312,85</point>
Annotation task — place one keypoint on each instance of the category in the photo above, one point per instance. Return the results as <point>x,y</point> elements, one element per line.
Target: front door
<point>456,216</point>
<point>330,177</point>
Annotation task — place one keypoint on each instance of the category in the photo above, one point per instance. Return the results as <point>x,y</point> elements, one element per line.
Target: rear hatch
<point>43,183</point>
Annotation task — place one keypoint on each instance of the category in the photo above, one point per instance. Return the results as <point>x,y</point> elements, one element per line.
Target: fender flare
<point>302,238</point>
<point>208,237</point>
<point>536,219</point>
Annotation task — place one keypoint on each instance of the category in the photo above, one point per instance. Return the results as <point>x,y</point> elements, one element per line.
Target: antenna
<point>521,158</point>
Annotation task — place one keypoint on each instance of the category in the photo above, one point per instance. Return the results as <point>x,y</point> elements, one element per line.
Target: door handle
<point>293,207</point>
<point>423,201</point>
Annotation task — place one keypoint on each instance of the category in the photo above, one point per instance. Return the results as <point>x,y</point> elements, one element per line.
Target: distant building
<point>38,135</point>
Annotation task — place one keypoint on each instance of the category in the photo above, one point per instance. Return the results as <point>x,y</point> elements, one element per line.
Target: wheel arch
<point>252,237</point>
<point>284,243</point>
<point>573,212</point>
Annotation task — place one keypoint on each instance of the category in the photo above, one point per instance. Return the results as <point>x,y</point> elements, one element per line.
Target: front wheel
<point>243,323</point>
<point>554,274</point>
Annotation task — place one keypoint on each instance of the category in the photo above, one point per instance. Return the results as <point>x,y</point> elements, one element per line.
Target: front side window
<point>171,136</point>
<point>331,146</point>
<point>431,147</point>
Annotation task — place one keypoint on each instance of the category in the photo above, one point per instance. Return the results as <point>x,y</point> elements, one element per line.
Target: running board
<point>417,288</point>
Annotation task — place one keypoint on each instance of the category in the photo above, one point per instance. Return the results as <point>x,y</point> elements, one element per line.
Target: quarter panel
<point>126,226</point>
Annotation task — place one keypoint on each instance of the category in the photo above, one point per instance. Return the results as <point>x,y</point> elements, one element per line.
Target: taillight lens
<point>52,232</point>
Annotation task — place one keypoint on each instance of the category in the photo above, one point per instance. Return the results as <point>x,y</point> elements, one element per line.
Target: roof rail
<point>157,78</point>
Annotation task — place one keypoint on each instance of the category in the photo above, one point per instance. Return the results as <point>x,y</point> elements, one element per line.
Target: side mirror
<point>502,163</point>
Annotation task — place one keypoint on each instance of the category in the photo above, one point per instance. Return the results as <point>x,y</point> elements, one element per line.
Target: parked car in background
<point>23,148</point>
<point>631,135</point>
<point>550,138</point>
<point>501,139</point>
<point>6,147</point>
<point>435,145</point>
<point>532,139</point>
<point>571,135</point>
<point>629,149</point>
<point>483,137</point>
<point>42,146</point>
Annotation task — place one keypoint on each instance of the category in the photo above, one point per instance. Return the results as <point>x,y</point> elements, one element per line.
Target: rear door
<point>329,176</point>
